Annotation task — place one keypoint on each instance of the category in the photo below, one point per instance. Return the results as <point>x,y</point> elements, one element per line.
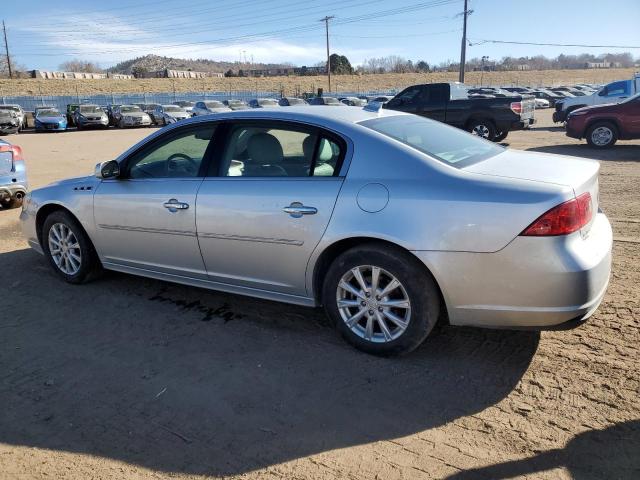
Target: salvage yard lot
<point>137,378</point>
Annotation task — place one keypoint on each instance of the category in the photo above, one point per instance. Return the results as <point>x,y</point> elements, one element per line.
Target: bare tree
<point>76,65</point>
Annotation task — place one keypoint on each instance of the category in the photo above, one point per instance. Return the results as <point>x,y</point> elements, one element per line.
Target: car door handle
<point>174,205</point>
<point>296,210</point>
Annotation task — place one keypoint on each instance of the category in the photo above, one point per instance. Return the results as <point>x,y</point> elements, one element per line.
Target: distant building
<point>523,67</point>
<point>67,75</point>
<point>168,73</point>
<point>285,71</point>
<point>602,65</point>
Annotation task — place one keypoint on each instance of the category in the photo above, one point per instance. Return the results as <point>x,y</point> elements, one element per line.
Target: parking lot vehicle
<point>519,90</point>
<point>147,108</point>
<point>263,103</point>
<point>236,104</point>
<point>353,101</point>
<point>380,99</point>
<point>326,101</point>
<point>187,105</point>
<point>9,122</point>
<point>291,101</point>
<point>13,175</point>
<point>613,92</point>
<point>208,107</point>
<point>551,97</point>
<point>490,118</point>
<point>17,109</point>
<point>87,116</point>
<point>130,116</point>
<point>541,103</point>
<point>309,206</point>
<point>110,109</point>
<point>49,119</point>
<point>71,108</point>
<point>166,114</point>
<point>604,125</point>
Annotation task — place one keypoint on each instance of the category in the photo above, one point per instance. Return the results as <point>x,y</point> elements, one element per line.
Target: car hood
<point>219,110</point>
<point>55,118</point>
<point>603,108</point>
<point>135,114</point>
<point>539,167</point>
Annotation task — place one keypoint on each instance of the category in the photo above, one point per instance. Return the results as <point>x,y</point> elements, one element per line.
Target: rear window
<point>442,142</point>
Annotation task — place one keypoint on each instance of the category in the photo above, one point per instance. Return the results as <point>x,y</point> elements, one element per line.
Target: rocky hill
<point>152,63</point>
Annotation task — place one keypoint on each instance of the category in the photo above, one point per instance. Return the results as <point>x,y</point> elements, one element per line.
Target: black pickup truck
<point>484,115</point>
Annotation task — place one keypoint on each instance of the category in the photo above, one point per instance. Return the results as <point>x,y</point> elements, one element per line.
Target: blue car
<point>49,119</point>
<point>13,176</point>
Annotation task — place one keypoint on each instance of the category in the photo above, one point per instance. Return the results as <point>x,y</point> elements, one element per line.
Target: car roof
<point>347,115</point>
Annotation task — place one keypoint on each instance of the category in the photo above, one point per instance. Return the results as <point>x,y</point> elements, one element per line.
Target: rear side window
<point>284,151</point>
<point>442,142</point>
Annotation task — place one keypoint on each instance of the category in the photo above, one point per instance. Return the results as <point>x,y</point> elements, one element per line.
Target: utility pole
<point>6,47</point>
<point>326,24</point>
<point>463,48</point>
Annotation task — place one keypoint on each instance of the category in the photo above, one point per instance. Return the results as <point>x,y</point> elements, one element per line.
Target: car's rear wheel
<point>69,249</point>
<point>602,135</point>
<point>482,128</point>
<point>381,299</point>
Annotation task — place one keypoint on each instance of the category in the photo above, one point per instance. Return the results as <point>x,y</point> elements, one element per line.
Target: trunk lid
<point>579,174</point>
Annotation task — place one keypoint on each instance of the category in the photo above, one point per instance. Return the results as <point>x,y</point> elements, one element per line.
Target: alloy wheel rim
<point>601,136</point>
<point>481,131</point>
<point>64,249</point>
<point>373,304</point>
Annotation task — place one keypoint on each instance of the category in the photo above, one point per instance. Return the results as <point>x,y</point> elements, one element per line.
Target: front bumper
<point>93,123</point>
<point>574,129</point>
<point>10,127</point>
<point>135,123</point>
<point>559,116</point>
<point>50,127</point>
<point>532,282</point>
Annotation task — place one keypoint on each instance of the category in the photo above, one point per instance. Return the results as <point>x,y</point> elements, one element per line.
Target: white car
<point>208,107</point>
<point>542,103</point>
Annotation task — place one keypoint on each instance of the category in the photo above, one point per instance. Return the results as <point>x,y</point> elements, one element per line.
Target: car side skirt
<point>210,285</point>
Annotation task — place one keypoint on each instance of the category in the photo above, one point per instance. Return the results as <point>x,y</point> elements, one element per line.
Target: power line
<point>481,42</point>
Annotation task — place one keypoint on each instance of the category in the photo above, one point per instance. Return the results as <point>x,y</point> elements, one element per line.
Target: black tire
<point>483,128</point>
<point>602,135</point>
<point>418,285</point>
<point>120,123</point>
<point>500,136</point>
<point>89,265</point>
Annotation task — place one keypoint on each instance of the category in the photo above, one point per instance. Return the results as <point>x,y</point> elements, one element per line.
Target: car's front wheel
<point>602,135</point>
<point>381,299</point>
<point>68,248</point>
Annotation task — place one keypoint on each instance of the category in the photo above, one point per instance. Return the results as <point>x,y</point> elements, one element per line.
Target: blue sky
<point>44,33</point>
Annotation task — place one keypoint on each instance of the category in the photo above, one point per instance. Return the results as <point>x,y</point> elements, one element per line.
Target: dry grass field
<point>293,85</point>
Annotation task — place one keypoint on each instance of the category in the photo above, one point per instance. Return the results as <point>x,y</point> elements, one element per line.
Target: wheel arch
<point>48,209</point>
<point>331,252</point>
<point>612,120</point>
<point>480,116</point>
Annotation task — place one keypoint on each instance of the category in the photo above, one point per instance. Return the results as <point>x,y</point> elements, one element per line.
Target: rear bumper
<point>12,191</point>
<point>532,282</point>
<point>521,124</point>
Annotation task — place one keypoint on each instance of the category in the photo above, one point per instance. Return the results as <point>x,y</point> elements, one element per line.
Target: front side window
<point>617,88</point>
<point>442,142</point>
<point>178,155</point>
<point>264,151</point>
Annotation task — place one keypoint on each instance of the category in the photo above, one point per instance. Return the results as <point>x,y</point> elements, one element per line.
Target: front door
<point>266,208</point>
<point>147,218</point>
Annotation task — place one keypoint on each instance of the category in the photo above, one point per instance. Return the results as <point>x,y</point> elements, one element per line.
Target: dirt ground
<point>297,85</point>
<point>134,378</point>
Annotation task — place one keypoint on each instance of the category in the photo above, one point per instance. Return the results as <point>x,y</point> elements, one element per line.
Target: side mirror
<point>107,170</point>
<point>603,92</point>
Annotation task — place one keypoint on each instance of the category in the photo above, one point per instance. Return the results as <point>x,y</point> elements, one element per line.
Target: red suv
<point>603,125</point>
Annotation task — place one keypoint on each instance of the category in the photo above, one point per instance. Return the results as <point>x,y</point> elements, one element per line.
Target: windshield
<point>130,108</point>
<point>216,104</point>
<point>331,101</point>
<point>267,102</point>
<point>9,107</point>
<point>447,144</point>
<point>172,108</point>
<point>48,112</point>
<point>90,109</point>
<point>296,101</point>
<point>185,104</point>
<point>235,102</point>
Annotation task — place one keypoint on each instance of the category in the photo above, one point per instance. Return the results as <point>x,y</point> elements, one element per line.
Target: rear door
<point>267,203</point>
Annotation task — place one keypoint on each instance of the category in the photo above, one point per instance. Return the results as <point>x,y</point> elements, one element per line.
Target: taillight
<point>516,107</point>
<point>563,219</point>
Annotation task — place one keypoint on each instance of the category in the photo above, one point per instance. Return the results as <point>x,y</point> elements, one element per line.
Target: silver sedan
<point>390,221</point>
